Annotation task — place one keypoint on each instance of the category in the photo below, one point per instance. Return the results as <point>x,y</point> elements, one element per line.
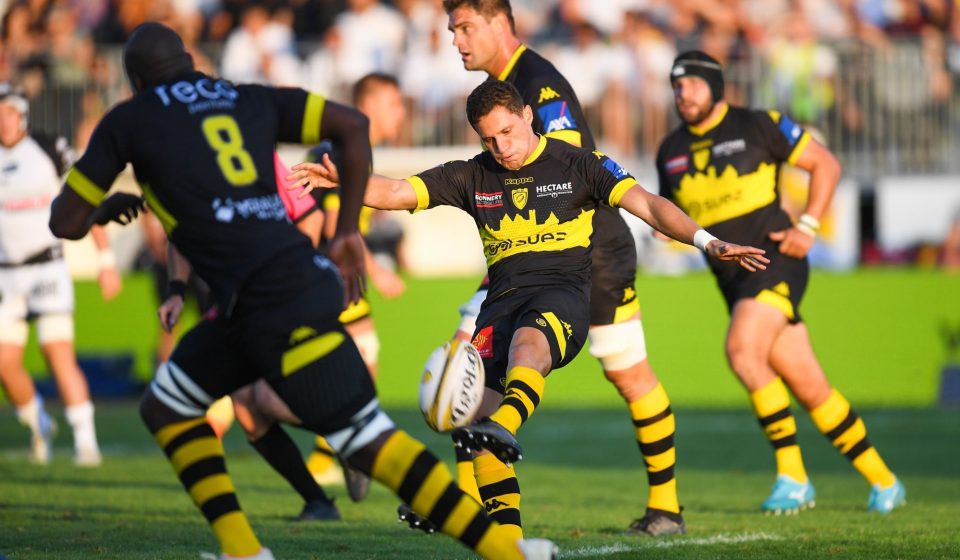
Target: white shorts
<point>34,290</point>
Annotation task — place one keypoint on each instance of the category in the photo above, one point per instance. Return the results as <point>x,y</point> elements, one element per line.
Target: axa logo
<point>562,122</point>
<point>546,94</point>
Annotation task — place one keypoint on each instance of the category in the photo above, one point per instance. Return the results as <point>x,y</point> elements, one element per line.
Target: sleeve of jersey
<point>610,180</point>
<point>553,114</point>
<point>299,114</point>
<point>441,186</point>
<point>788,138</point>
<point>93,174</point>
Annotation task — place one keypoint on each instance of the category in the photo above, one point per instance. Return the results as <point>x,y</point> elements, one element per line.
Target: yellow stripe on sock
<point>770,398</point>
<point>491,469</point>
<point>395,459</point>
<point>169,432</point>
<point>829,414</point>
<point>211,487</point>
<point>299,356</point>
<point>460,517</point>
<point>767,400</point>
<point>500,543</point>
<point>193,451</point>
<point>828,417</point>
<point>432,488</point>
<point>872,467</point>
<point>235,535</point>
<point>664,496</point>
<point>466,479</point>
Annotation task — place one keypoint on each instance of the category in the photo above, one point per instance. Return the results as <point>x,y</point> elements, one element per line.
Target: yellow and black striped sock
<point>321,458</point>
<point>197,457</point>
<point>466,478</point>
<point>848,433</point>
<point>655,427</point>
<point>405,466</point>
<point>771,404</point>
<point>500,492</point>
<point>523,393</point>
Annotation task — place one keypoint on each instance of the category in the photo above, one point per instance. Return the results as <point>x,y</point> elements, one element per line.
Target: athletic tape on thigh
<point>470,310</point>
<point>174,388</point>
<point>618,346</point>
<point>369,345</point>
<point>55,327</point>
<point>364,427</point>
<point>15,331</point>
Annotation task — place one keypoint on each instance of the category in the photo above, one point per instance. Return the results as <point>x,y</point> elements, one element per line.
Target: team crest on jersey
<point>555,116</point>
<point>520,197</point>
<point>483,342</point>
<point>678,164</point>
<point>546,94</point>
<point>701,158</point>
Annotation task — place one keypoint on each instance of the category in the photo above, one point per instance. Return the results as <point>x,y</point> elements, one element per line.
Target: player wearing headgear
<point>35,284</point>
<point>721,165</point>
<point>202,150</point>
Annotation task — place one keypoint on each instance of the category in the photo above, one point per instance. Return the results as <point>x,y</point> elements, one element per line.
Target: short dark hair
<point>369,83</point>
<point>489,95</point>
<point>486,8</point>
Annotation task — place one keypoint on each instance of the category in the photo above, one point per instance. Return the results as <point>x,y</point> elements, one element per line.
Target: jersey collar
<point>512,62</point>
<point>541,145</point>
<point>710,124</point>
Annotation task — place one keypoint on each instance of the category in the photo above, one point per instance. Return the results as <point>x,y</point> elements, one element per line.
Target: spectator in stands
<point>261,50</point>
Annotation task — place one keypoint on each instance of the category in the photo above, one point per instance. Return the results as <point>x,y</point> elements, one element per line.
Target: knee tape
<point>470,310</point>
<point>369,345</point>
<point>15,332</point>
<point>618,346</point>
<point>364,427</point>
<point>57,327</point>
<point>174,388</point>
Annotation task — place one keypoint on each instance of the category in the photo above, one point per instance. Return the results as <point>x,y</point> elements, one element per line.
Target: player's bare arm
<point>383,193</point>
<point>665,217</point>
<point>178,271</point>
<point>71,216</point>
<point>825,173</point>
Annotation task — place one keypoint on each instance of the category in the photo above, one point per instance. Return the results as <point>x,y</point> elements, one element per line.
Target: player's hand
<point>347,252</point>
<point>387,282</point>
<point>111,284</point>
<point>309,176</point>
<point>749,258</point>
<point>793,242</point>
<point>119,207</point>
<point>169,312</point>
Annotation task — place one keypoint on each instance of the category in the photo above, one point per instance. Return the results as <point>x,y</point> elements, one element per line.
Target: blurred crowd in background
<point>878,78</point>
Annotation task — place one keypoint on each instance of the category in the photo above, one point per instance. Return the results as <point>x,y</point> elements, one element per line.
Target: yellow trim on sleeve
<point>312,116</point>
<point>87,189</point>
<point>167,220</point>
<point>541,145</point>
<point>423,195</point>
<point>572,137</point>
<point>512,62</point>
<point>799,148</point>
<point>621,189</point>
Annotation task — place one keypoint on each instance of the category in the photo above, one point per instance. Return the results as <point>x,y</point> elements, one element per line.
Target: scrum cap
<point>702,65</point>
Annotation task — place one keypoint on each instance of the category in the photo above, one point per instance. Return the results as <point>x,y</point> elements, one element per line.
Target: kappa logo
<point>493,504</point>
<point>300,334</point>
<point>518,180</point>
<point>520,197</point>
<point>541,322</point>
<point>782,289</point>
<point>546,94</point>
<point>629,294</point>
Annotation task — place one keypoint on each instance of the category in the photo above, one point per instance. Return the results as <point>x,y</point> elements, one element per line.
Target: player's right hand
<point>119,207</point>
<point>347,252</point>
<point>749,258</point>
<point>309,176</point>
<point>169,312</point>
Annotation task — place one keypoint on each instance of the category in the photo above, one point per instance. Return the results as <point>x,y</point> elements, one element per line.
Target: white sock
<point>29,414</point>
<point>80,417</point>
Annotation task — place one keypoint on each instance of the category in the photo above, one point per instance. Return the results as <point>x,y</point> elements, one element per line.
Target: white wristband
<point>701,238</point>
<point>107,259</point>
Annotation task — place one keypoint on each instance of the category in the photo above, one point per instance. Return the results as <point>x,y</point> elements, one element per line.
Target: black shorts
<point>613,298</point>
<point>297,344</point>
<point>781,285</point>
<point>561,313</point>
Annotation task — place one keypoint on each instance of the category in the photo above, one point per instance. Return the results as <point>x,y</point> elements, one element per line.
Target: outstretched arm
<point>665,217</point>
<point>383,193</point>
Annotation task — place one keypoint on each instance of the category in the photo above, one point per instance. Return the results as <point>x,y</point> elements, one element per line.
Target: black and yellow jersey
<point>535,223</point>
<point>557,114</point>
<point>725,175</point>
<point>202,152</point>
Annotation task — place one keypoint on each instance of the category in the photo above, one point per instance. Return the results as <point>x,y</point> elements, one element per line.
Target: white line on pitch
<point>722,538</point>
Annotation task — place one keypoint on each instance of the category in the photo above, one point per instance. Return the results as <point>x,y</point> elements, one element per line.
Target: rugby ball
<point>451,386</point>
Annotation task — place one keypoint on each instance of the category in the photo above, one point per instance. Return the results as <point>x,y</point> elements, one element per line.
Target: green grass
<point>581,479</point>
<point>877,333</point>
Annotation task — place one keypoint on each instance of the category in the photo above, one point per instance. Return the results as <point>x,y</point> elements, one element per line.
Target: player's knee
<point>14,332</point>
<point>175,390</point>
<point>744,359</point>
<point>364,428</point>
<point>55,327</point>
<point>619,346</point>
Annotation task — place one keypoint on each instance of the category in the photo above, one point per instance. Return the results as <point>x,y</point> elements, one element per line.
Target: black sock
<point>283,455</point>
